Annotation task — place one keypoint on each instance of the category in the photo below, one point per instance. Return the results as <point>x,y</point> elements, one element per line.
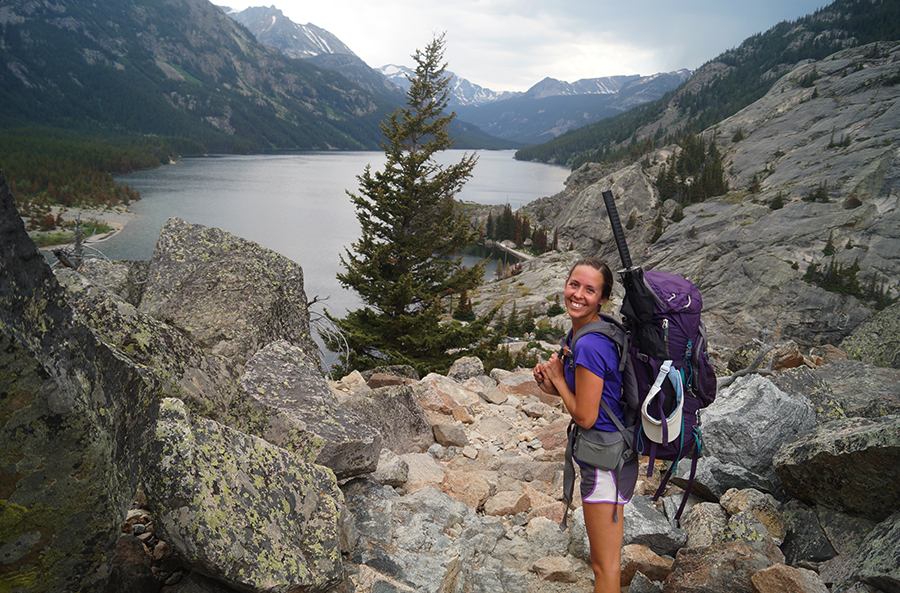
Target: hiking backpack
<point>666,374</point>
<point>674,376</point>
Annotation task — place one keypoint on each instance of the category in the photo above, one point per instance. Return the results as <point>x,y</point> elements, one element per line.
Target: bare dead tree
<point>764,351</point>
<point>329,331</point>
<point>72,256</point>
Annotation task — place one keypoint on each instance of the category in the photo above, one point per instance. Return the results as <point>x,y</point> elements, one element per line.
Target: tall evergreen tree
<point>405,261</point>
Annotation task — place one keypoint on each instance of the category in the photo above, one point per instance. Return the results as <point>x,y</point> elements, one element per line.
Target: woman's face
<point>583,289</point>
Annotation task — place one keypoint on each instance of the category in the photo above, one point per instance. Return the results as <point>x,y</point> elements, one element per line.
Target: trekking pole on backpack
<point>616,224</point>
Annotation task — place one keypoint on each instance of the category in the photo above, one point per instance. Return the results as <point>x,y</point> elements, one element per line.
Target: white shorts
<point>598,485</point>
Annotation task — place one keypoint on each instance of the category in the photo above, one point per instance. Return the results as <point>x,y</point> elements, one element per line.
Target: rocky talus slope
<point>153,441</point>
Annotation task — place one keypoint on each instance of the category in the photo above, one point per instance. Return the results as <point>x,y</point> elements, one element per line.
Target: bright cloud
<point>511,45</point>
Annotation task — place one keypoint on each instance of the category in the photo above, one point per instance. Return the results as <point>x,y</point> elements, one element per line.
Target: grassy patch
<point>89,228</point>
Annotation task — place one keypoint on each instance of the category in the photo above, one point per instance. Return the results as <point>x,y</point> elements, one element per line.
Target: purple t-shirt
<point>599,354</point>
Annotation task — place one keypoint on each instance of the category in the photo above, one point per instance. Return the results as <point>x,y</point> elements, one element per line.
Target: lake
<point>296,204</point>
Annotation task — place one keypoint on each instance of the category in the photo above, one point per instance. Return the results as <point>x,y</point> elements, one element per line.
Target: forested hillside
<point>725,85</point>
<point>172,69</point>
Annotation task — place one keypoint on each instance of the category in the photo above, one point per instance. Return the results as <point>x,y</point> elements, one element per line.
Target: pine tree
<point>406,259</point>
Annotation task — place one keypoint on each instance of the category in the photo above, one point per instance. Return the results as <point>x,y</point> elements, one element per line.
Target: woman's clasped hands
<point>548,374</point>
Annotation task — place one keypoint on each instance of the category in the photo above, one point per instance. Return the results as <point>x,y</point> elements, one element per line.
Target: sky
<point>510,45</point>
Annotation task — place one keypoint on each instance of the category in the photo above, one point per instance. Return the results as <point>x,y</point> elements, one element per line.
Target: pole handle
<point>618,233</point>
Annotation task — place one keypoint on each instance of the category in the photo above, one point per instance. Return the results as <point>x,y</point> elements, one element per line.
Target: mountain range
<point>553,107</point>
<point>248,83</point>
<point>727,83</point>
<point>544,111</point>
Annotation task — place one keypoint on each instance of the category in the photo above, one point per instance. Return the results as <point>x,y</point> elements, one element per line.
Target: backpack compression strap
<point>698,446</point>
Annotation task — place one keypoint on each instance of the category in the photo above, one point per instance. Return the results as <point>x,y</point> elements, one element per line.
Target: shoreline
<point>117,218</point>
<point>523,257</point>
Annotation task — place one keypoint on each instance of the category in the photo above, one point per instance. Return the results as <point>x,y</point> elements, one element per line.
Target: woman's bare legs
<point>605,536</point>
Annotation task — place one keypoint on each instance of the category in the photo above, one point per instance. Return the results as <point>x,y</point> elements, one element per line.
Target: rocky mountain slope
<point>272,28</point>
<point>464,92</point>
<point>826,164</point>
<point>550,107</point>
<point>165,427</point>
<point>546,110</point>
<point>316,45</point>
<point>725,85</point>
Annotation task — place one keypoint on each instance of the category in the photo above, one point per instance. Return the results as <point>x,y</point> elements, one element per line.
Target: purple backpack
<point>674,376</point>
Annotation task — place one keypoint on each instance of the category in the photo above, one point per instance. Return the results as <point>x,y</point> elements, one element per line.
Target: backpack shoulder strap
<point>607,326</point>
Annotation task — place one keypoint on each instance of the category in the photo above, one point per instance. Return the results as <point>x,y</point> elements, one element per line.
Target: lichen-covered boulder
<point>241,510</point>
<point>125,279</point>
<point>852,465</point>
<point>72,416</point>
<point>725,566</point>
<point>207,383</point>
<point>466,368</point>
<point>863,389</point>
<point>231,295</point>
<point>879,556</point>
<point>287,402</point>
<point>877,341</point>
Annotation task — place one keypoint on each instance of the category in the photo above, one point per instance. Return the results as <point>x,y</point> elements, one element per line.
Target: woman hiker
<point>595,375</point>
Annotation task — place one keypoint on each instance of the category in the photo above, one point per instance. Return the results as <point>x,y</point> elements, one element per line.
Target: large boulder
<point>646,525</point>
<point>863,389</point>
<point>207,383</point>
<point>750,420</point>
<point>852,465</point>
<point>714,478</point>
<point>877,341</point>
<point>878,563</point>
<point>125,279</point>
<point>231,295</point>
<point>72,415</point>
<point>844,388</point>
<point>237,508</point>
<point>288,403</point>
<point>806,540</point>
<point>725,566</point>
<point>396,413</point>
<point>811,384</point>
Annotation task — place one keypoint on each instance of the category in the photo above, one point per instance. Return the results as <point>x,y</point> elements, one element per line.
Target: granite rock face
<point>877,341</point>
<point>879,556</point>
<point>74,412</point>
<point>747,258</point>
<point>750,420</point>
<point>242,510</point>
<point>287,402</point>
<point>852,465</point>
<point>232,296</point>
<point>208,383</point>
<point>396,412</point>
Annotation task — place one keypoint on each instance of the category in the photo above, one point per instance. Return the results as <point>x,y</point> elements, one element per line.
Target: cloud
<point>511,45</point>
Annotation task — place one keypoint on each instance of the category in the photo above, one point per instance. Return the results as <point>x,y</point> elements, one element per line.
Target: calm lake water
<point>296,204</point>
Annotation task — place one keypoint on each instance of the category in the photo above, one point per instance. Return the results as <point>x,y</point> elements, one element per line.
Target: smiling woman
<point>588,378</point>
